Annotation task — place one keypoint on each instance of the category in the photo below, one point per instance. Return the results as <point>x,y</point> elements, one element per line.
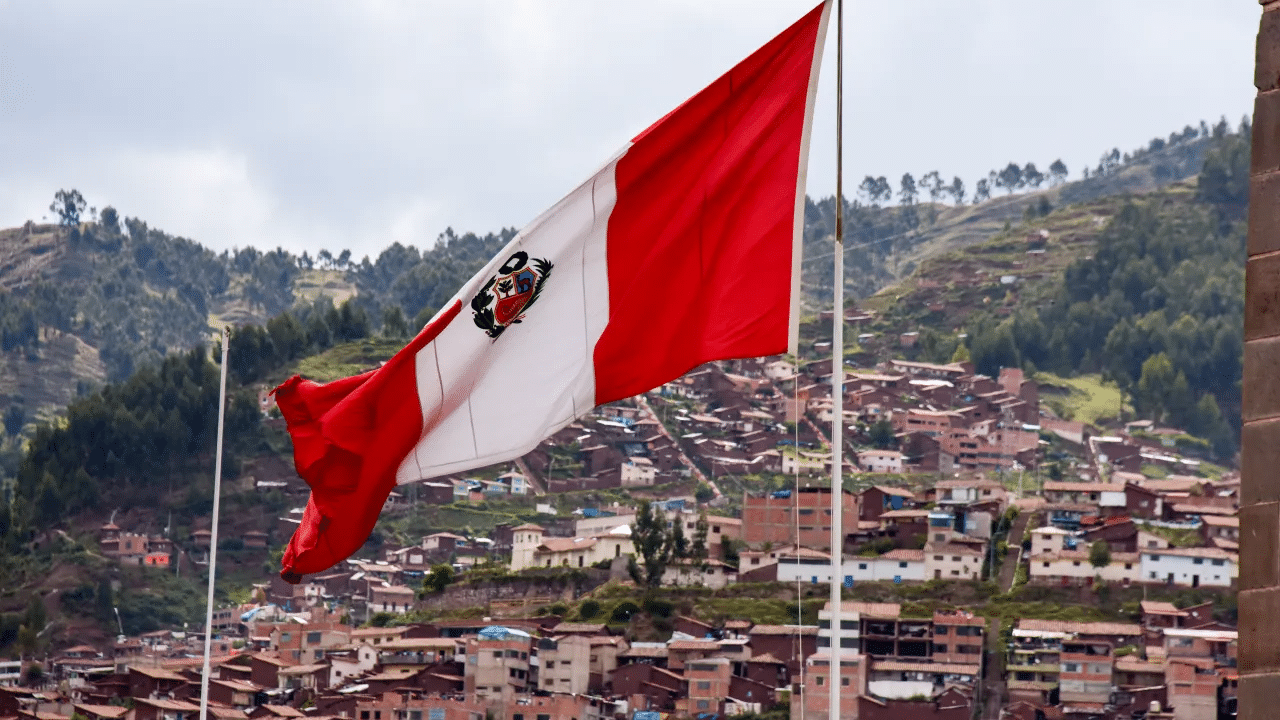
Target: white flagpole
<point>213,530</point>
<point>835,677</point>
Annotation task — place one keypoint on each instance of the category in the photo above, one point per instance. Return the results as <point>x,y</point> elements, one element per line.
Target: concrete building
<point>637,471</point>
<point>1048,539</point>
<point>880,461</point>
<point>707,683</point>
<point>776,518</point>
<point>1086,673</point>
<point>811,566</point>
<point>525,540</point>
<point>497,666</point>
<point>819,681</point>
<point>950,561</point>
<point>1072,567</point>
<point>1189,567</point>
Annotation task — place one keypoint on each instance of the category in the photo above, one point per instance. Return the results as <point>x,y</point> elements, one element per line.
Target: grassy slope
<point>1085,398</point>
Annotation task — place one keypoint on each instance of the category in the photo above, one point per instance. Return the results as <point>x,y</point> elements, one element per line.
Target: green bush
<point>588,609</point>
<point>659,607</point>
<point>623,611</point>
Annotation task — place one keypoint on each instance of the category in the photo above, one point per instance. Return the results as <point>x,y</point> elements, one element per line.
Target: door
<point>1195,581</point>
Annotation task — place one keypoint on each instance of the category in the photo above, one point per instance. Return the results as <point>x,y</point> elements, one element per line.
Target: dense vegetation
<point>1157,308</point>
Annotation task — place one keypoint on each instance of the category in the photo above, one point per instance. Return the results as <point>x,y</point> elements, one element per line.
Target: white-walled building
<point>952,561</point>
<point>588,526</point>
<point>1073,567</point>
<point>880,461</point>
<point>525,539</point>
<point>362,658</point>
<point>396,599</point>
<point>1048,539</point>
<point>1189,567</point>
<point>530,548</point>
<point>708,573</point>
<point>812,566</point>
<point>637,471</point>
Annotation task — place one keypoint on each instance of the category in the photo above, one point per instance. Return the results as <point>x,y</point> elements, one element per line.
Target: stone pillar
<point>1259,582</point>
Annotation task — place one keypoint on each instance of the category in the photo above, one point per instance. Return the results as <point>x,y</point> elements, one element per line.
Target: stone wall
<point>1259,599</point>
<point>519,595</point>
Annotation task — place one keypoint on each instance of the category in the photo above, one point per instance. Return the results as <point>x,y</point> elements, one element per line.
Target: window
<point>497,654</point>
<point>1025,676</point>
<point>939,537</point>
<point>704,685</point>
<point>551,664</point>
<point>313,638</point>
<point>1075,563</point>
<point>1154,557</point>
<point>285,637</point>
<point>1217,562</point>
<point>941,630</point>
<point>1153,576</point>
<point>704,704</point>
<point>1046,564</point>
<point>902,564</point>
<point>939,648</point>
<point>1197,561</point>
<point>955,558</point>
<point>715,528</point>
<point>544,717</point>
<point>821,680</point>
<point>937,558</point>
<point>844,681</point>
<point>1128,566</point>
<point>364,715</point>
<point>1070,667</point>
<point>862,566</point>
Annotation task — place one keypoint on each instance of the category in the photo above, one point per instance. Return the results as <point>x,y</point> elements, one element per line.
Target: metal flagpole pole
<point>835,677</point>
<point>213,530</point>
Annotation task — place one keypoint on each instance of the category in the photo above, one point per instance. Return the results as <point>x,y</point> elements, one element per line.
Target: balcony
<point>1013,667</point>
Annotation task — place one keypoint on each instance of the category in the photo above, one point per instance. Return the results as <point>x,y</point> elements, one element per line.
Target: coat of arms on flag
<point>516,288</point>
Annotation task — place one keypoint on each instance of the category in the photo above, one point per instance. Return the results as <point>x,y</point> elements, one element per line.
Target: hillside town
<point>953,478</point>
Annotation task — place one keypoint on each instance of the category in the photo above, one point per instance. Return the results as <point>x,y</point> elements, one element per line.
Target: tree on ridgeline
<point>68,205</point>
<point>1010,178</point>
<point>981,191</point>
<point>1057,173</point>
<point>1032,176</point>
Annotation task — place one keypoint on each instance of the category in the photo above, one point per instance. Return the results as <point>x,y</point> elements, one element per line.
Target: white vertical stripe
<point>489,400</point>
<point>797,239</point>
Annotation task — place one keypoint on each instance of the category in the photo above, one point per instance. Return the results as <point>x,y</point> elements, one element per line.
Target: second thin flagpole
<point>213,530</point>
<point>835,678</point>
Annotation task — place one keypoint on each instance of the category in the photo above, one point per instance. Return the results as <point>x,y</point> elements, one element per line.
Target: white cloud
<point>353,124</point>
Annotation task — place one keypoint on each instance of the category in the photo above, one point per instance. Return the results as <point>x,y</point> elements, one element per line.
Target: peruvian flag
<point>684,248</point>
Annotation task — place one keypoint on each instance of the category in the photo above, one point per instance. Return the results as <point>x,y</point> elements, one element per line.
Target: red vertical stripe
<point>699,243</point>
<point>349,437</point>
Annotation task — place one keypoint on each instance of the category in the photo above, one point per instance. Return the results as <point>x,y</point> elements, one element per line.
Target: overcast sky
<point>350,124</point>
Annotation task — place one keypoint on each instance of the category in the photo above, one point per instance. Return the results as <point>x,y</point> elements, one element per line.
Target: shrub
<point>589,609</point>
<point>659,607</point>
<point>623,611</point>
